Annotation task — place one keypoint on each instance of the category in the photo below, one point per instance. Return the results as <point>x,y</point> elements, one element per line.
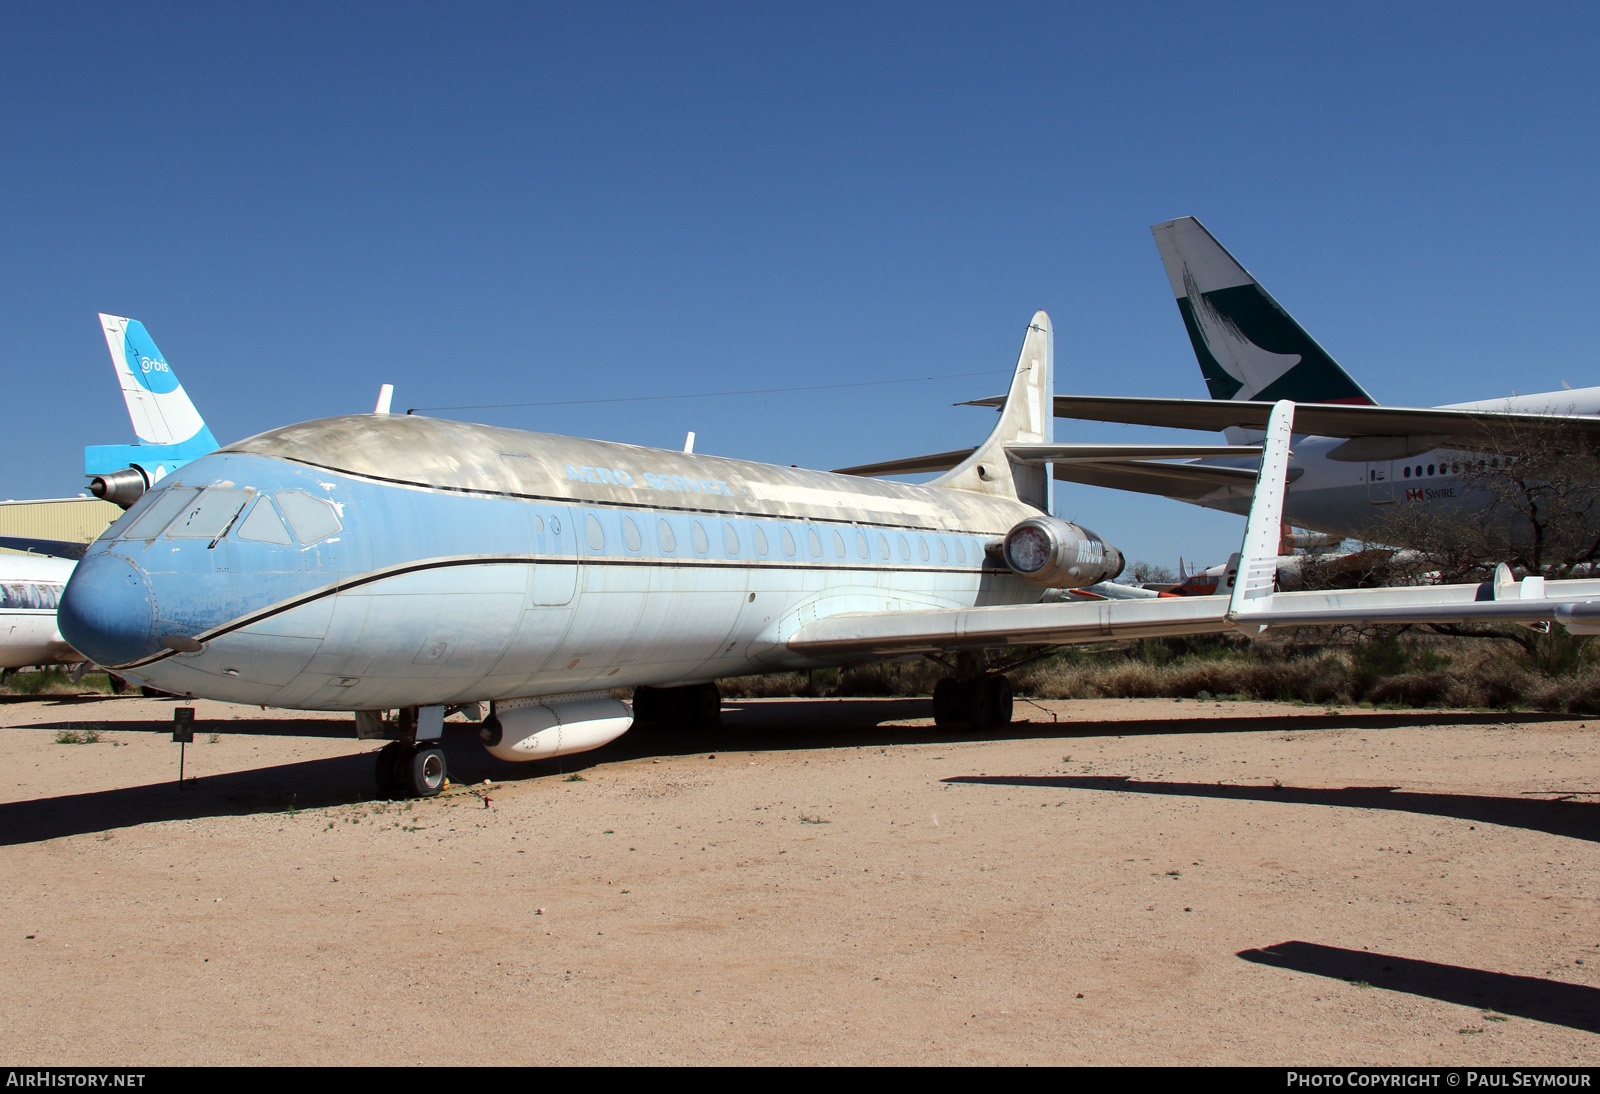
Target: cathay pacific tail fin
<point>1247,345</point>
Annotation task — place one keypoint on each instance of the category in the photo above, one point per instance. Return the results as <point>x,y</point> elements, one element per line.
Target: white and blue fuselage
<point>376,562</point>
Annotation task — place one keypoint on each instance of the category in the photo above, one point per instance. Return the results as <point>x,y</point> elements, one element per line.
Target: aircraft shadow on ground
<point>748,727</point>
<point>1574,819</point>
<point>1532,997</point>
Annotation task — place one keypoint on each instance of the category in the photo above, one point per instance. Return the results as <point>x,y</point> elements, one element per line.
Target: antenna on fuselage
<point>385,398</point>
<point>688,442</point>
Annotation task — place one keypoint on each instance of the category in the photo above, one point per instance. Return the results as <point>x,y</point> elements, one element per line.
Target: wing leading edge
<point>1440,427</point>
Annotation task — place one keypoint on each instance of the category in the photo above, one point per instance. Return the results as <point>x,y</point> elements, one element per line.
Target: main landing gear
<point>980,702</point>
<point>693,706</point>
<point>977,693</point>
<point>411,769</point>
<point>412,765</point>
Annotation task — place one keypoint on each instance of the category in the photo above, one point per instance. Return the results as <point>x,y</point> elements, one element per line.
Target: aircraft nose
<point>107,612</point>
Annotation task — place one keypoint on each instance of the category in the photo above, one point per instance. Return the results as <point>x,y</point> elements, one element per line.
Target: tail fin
<point>160,410</point>
<point>167,424</point>
<point>1026,418</point>
<point>1248,346</point>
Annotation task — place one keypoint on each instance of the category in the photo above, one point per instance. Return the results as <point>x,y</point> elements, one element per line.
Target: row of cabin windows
<point>594,534</point>
<point>1453,468</point>
<point>188,512</point>
<point>32,595</point>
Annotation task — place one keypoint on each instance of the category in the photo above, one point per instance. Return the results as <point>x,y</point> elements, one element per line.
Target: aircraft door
<point>555,576</point>
<point>1380,482</point>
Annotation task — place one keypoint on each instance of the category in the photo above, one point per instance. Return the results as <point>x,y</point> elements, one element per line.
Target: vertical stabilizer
<point>170,429</point>
<point>157,404</point>
<point>1247,345</point>
<point>1026,418</point>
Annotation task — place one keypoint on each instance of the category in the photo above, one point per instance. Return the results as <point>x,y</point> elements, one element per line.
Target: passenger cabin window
<point>595,534</point>
<point>30,596</point>
<point>159,513</point>
<point>761,541</point>
<point>263,524</point>
<point>838,544</point>
<point>310,519</point>
<point>814,541</point>
<point>862,548</point>
<point>669,542</point>
<point>210,515</point>
<point>630,534</point>
<point>730,540</point>
<point>701,543</point>
<point>788,543</point>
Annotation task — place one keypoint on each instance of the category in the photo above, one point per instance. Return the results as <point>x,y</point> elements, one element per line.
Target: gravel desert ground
<point>819,882</point>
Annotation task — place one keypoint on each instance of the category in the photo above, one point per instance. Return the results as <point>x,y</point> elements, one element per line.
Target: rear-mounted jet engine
<point>1059,554</point>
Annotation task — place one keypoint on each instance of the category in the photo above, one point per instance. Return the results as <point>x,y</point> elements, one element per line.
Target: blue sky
<point>489,203</point>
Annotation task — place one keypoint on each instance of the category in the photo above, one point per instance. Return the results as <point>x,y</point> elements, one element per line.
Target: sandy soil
<point>819,882</point>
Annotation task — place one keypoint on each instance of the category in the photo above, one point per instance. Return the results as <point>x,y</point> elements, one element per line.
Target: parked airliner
<point>380,563</point>
<point>1357,462</point>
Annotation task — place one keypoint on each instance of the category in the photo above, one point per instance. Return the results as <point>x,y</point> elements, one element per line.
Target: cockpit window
<point>263,524</point>
<point>310,518</point>
<point>159,513</point>
<point>210,515</point>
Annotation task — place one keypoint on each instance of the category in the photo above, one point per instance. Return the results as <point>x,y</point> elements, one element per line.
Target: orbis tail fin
<point>1247,345</point>
<point>165,421</point>
<point>1026,418</point>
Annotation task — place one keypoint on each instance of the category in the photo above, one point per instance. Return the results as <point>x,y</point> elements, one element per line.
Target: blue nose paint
<point>107,612</point>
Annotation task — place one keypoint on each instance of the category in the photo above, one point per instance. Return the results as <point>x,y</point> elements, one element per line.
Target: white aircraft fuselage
<point>374,562</point>
<point>1330,492</point>
<point>30,588</point>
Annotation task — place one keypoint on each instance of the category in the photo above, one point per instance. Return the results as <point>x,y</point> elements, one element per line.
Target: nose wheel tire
<point>410,771</point>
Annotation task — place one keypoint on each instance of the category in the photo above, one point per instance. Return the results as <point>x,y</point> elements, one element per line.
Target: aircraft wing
<point>1447,428</point>
<point>1188,481</point>
<point>1253,606</point>
<point>888,634</point>
<point>1058,454</point>
<point>56,548</point>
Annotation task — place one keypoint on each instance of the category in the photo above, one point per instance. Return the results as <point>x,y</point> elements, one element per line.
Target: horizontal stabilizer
<point>1098,453</point>
<point>1186,481</point>
<point>1055,453</point>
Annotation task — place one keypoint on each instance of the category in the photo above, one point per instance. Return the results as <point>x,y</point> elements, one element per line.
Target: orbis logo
<point>150,369</point>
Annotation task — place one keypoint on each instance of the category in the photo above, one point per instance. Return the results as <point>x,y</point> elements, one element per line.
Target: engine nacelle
<point>530,729</point>
<point>120,487</point>
<point>1059,554</point>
